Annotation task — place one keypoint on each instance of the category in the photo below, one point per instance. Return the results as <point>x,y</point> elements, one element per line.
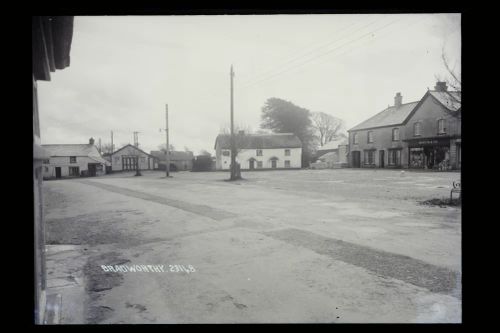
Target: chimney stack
<point>441,86</point>
<point>91,141</point>
<point>398,100</point>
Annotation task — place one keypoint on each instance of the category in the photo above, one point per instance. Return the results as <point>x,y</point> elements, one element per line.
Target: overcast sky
<point>124,70</point>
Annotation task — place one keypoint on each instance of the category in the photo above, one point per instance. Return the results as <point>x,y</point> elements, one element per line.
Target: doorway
<point>252,164</point>
<point>356,159</point>
<point>92,170</point>
<point>58,172</point>
<point>381,158</point>
<point>273,164</point>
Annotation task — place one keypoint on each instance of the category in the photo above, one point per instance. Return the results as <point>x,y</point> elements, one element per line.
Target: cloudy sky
<point>124,70</point>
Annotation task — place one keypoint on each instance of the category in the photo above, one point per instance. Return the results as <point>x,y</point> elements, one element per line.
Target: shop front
<point>429,153</point>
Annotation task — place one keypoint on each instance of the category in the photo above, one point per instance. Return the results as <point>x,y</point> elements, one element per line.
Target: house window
<point>369,157</point>
<point>72,159</point>
<point>287,152</point>
<point>441,126</point>
<point>259,164</point>
<point>370,137</point>
<point>394,157</point>
<point>417,129</point>
<point>74,171</point>
<point>287,164</point>
<point>395,134</point>
<point>355,139</point>
<point>46,162</point>
<point>226,153</point>
<point>259,152</point>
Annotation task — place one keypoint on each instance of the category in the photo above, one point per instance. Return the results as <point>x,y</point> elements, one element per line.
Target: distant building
<point>332,155</point>
<point>260,151</point>
<point>127,157</point>
<point>73,160</point>
<point>424,134</point>
<point>179,160</point>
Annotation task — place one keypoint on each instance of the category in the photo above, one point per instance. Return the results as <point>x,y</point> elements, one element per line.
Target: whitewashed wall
<point>243,157</point>
<point>49,170</point>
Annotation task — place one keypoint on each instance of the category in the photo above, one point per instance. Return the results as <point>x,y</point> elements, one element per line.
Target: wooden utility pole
<point>167,157</point>
<point>233,146</point>
<point>112,151</point>
<point>136,144</point>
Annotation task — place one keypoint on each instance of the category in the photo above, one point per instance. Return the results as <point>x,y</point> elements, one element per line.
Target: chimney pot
<point>441,86</point>
<point>398,100</point>
<point>91,141</point>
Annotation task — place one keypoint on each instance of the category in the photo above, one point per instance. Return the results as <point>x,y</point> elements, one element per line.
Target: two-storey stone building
<point>423,134</point>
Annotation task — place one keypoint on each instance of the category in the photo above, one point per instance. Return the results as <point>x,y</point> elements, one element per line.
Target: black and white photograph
<point>247,168</point>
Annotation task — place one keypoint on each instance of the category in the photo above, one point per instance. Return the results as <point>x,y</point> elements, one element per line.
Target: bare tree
<point>453,79</point>
<point>163,149</point>
<point>327,127</point>
<point>107,149</point>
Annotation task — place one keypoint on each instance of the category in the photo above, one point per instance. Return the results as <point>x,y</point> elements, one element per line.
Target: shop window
<point>74,171</point>
<point>370,137</point>
<point>287,152</point>
<point>259,152</point>
<point>395,134</point>
<point>355,139</point>
<point>441,126</point>
<point>369,157</point>
<point>287,164</point>
<point>417,158</point>
<point>417,128</point>
<point>72,159</point>
<point>394,157</point>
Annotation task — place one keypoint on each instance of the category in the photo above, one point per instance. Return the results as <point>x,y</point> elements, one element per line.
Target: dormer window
<point>259,152</point>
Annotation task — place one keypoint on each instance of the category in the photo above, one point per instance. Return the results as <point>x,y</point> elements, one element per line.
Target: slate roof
<point>388,117</point>
<point>70,149</point>
<point>174,155</point>
<point>260,141</point>
<point>450,99</point>
<point>86,150</point>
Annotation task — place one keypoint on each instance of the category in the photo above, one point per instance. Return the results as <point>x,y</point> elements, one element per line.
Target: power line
<point>320,55</point>
<point>321,45</point>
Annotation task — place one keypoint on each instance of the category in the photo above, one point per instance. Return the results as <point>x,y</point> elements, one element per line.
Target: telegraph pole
<point>233,148</point>
<point>167,158</point>
<point>136,144</point>
<point>112,150</point>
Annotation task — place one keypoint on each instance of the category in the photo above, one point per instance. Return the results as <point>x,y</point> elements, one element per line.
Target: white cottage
<point>260,151</point>
<point>125,159</point>
<point>73,160</point>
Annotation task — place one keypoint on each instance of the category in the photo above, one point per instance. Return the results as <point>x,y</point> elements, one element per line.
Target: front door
<point>356,159</point>
<point>273,164</point>
<point>381,158</point>
<point>91,170</point>
<point>252,164</point>
<point>58,172</point>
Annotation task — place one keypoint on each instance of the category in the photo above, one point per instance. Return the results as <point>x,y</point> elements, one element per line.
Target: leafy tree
<point>285,117</point>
